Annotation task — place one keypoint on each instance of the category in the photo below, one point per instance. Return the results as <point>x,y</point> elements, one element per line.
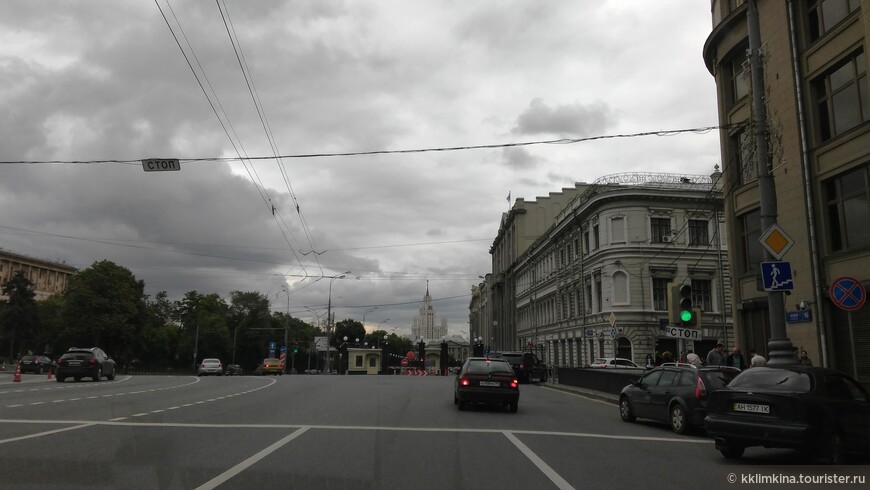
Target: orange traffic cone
<point>17,377</point>
<point>49,373</point>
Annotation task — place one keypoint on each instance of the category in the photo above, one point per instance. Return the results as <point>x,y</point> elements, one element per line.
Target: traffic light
<point>686,308</point>
<point>295,349</point>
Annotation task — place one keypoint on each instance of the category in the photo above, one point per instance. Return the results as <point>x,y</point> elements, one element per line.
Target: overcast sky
<point>106,80</point>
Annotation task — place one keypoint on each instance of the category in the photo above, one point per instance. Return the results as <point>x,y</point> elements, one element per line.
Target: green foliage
<point>351,329</point>
<point>19,320</point>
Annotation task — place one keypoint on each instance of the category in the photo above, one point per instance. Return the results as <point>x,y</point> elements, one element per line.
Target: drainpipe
<point>808,188</point>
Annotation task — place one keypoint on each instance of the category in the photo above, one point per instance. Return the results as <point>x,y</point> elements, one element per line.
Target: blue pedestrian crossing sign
<point>776,276</point>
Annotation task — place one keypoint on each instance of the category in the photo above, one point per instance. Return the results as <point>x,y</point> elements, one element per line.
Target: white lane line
<point>17,405</point>
<point>117,419</point>
<point>235,470</point>
<point>46,433</point>
<point>139,414</point>
<point>537,461</point>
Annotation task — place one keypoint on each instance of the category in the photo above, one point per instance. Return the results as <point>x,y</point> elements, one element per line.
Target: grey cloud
<point>569,120</point>
<point>518,158</point>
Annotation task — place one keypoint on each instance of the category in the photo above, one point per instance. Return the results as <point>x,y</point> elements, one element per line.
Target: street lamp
<point>329,318</point>
<point>286,331</point>
<point>364,315</point>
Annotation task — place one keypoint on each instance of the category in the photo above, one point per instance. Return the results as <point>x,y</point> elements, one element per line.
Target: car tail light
<point>202,365</point>
<point>464,381</point>
<point>61,360</point>
<point>515,383</point>
<point>92,361</point>
<point>522,365</point>
<point>700,389</point>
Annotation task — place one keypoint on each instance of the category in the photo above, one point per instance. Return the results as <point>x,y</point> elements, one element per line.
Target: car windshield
<point>769,379</point>
<point>491,366</point>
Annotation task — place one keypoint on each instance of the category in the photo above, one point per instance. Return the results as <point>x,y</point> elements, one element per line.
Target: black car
<point>85,363</point>
<point>675,394</point>
<point>526,365</point>
<point>817,410</point>
<point>36,364</point>
<point>233,370</point>
<point>488,381</point>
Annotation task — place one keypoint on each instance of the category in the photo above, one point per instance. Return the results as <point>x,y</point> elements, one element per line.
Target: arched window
<point>620,288</point>
<point>623,348</point>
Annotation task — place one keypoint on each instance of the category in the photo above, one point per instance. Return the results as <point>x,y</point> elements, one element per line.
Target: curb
<point>596,395</point>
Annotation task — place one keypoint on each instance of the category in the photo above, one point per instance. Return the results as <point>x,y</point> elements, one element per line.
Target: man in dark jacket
<point>735,359</point>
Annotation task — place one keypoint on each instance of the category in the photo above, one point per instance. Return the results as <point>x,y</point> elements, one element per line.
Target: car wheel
<point>513,407</point>
<point>544,377</point>
<point>111,375</point>
<point>60,380</point>
<point>833,450</point>
<point>96,377</point>
<point>39,370</point>
<point>455,399</point>
<point>731,451</point>
<point>625,410</point>
<point>679,424</point>
<point>461,405</point>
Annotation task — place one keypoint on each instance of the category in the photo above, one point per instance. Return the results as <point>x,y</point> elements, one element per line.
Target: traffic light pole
<point>779,347</point>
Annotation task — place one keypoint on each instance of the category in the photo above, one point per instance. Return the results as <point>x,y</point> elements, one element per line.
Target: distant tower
<point>424,325</point>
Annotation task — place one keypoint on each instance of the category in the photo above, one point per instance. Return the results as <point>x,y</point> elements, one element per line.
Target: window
<point>698,233</point>
<point>599,301</point>
<point>848,206</point>
<point>595,243</point>
<point>753,253</point>
<point>620,288</point>
<point>825,14</point>
<point>660,230</point>
<point>745,165</point>
<point>586,242</point>
<point>359,361</point>
<point>617,230</point>
<point>702,294</point>
<point>373,362</point>
<point>736,70</point>
<point>841,97</point>
<point>660,293</point>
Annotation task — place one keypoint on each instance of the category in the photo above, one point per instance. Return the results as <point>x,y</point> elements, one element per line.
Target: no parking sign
<point>848,293</point>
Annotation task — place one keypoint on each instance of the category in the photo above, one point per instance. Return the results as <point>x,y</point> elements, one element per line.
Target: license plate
<point>75,363</point>
<point>490,383</point>
<point>751,408</point>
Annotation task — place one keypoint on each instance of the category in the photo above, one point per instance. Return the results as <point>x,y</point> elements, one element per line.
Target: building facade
<point>814,58</point>
<point>596,283</point>
<point>48,277</point>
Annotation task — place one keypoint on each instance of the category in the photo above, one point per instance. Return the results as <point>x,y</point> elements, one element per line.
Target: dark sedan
<point>85,363</point>
<point>36,364</point>
<point>820,411</point>
<point>488,381</point>
<point>675,394</point>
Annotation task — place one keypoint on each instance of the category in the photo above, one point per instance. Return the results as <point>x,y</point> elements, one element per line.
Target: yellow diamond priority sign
<point>776,241</point>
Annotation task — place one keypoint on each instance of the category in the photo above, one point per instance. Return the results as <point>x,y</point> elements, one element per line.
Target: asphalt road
<point>329,432</point>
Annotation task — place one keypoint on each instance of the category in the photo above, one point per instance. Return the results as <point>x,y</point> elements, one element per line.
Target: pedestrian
<point>735,359</point>
<point>716,357</point>
<point>667,357</point>
<point>694,359</point>
<point>649,361</point>
<point>795,356</point>
<point>804,359</point>
<point>756,360</point>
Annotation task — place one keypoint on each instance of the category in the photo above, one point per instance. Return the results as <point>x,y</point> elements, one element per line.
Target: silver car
<point>210,366</point>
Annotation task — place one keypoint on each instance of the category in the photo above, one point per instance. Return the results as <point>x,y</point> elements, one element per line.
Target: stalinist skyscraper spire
<point>424,325</point>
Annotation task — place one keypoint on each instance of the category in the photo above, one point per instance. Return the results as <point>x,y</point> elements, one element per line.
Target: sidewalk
<point>596,395</point>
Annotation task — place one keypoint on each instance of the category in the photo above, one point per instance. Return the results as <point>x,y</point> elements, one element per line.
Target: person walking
<point>694,359</point>
<point>756,360</point>
<point>735,359</point>
<point>716,357</point>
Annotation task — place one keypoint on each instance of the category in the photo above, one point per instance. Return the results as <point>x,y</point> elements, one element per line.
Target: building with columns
<point>48,277</point>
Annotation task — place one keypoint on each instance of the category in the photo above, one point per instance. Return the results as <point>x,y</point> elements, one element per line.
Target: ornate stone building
<point>48,278</point>
<point>424,325</point>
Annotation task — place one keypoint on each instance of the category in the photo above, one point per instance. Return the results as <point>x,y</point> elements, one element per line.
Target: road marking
<point>537,461</point>
<point>235,470</point>
<point>49,432</point>
<point>117,419</point>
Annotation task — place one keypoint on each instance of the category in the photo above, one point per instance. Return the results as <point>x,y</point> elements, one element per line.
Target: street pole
<point>195,346</point>
<point>329,318</point>
<point>779,346</point>
<point>286,329</point>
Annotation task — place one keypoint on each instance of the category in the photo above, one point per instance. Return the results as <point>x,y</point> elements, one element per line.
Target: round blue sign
<point>848,293</point>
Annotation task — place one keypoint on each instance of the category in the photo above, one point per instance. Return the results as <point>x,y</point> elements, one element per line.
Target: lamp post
<point>329,318</point>
<point>364,315</point>
<point>286,331</point>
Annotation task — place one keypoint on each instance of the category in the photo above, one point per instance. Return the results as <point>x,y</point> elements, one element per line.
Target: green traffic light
<point>685,316</point>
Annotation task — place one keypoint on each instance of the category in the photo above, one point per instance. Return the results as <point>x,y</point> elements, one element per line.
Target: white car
<point>210,366</point>
<point>613,363</point>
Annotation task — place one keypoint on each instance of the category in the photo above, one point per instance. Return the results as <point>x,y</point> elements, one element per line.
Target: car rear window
<point>79,354</point>
<point>768,379</point>
<point>512,358</point>
<point>211,361</point>
<point>716,380</point>
<point>28,358</point>
<point>488,367</point>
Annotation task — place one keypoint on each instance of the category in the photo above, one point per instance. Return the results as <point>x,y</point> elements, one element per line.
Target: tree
<point>104,306</point>
<point>248,312</point>
<point>204,321</point>
<point>18,317</point>
<point>351,329</point>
